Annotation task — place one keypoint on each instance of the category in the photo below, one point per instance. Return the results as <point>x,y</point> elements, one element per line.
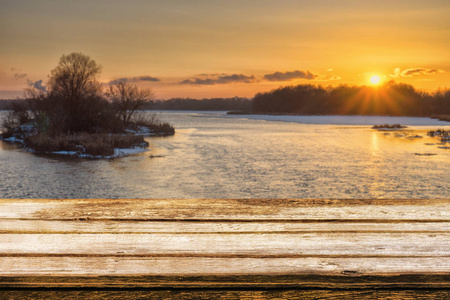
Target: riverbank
<point>445,118</point>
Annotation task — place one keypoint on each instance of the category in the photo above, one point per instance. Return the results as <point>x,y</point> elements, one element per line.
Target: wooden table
<point>212,248</point>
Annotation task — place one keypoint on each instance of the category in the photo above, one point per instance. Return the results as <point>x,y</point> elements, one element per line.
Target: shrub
<point>152,122</point>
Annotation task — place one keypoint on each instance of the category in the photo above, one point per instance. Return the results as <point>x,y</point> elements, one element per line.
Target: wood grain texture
<point>225,209</point>
<point>20,226</point>
<point>220,266</point>
<point>237,243</point>
<point>212,244</point>
<point>183,294</point>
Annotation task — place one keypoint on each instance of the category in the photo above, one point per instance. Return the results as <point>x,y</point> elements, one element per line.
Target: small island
<point>389,126</point>
<point>74,116</point>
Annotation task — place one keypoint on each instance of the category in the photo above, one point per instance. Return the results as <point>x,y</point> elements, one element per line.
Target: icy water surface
<point>217,156</point>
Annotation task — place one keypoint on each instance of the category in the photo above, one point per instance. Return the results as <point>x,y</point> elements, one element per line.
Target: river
<point>213,155</point>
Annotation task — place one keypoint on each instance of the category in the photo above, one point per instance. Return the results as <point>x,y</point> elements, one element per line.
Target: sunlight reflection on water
<point>214,156</point>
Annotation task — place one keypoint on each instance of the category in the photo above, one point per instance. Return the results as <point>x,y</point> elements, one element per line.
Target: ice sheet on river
<point>347,120</point>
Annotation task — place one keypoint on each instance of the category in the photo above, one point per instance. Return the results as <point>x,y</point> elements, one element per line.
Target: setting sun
<point>375,79</point>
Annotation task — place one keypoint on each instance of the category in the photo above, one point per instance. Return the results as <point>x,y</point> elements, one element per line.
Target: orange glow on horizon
<point>229,48</point>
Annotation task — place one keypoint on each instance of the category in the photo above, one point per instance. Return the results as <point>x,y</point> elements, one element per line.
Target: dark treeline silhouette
<point>234,103</point>
<point>391,99</point>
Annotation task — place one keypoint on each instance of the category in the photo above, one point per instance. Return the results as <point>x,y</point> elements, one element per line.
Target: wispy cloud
<point>286,76</point>
<point>18,76</point>
<point>148,78</point>
<point>219,79</point>
<point>136,79</point>
<point>211,79</point>
<point>329,78</point>
<point>414,72</point>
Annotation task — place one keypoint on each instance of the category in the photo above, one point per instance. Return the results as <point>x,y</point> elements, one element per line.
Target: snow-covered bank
<point>347,120</point>
<point>118,152</point>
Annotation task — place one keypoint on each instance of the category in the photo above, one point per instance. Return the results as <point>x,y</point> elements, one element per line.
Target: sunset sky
<point>211,48</point>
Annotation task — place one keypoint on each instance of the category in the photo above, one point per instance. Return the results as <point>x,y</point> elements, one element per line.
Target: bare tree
<point>75,77</point>
<point>126,98</point>
<point>74,101</point>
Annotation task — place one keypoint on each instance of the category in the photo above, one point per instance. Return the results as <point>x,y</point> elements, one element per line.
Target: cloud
<point>419,71</point>
<point>219,79</point>
<point>135,79</point>
<point>414,72</point>
<point>18,76</point>
<point>334,77</point>
<point>148,78</point>
<point>285,76</point>
<point>37,85</point>
<point>331,77</point>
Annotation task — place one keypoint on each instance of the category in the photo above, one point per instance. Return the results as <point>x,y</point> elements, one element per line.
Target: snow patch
<point>141,130</point>
<point>118,152</point>
<point>13,139</point>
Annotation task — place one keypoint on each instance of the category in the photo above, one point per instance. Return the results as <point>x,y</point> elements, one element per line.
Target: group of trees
<point>74,100</point>
<point>392,99</point>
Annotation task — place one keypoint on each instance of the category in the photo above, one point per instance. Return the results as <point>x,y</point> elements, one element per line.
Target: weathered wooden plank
<point>225,209</point>
<point>205,266</point>
<point>127,227</point>
<point>411,244</point>
<point>200,294</point>
<point>243,282</point>
<point>337,244</point>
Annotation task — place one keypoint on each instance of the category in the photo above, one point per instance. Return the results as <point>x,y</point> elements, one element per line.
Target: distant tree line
<point>234,103</point>
<point>7,104</point>
<point>391,99</point>
<point>227,104</point>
